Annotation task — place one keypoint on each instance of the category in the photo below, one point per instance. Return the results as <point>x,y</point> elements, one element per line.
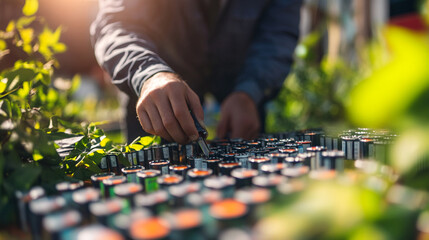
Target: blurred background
<point>334,34</point>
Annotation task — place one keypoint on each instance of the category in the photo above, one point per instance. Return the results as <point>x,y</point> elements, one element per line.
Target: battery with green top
<point>148,179</point>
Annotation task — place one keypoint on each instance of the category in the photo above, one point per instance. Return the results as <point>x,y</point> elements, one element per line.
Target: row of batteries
<point>171,192</point>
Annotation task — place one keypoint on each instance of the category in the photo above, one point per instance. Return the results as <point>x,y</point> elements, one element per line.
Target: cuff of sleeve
<point>252,89</point>
<point>140,78</point>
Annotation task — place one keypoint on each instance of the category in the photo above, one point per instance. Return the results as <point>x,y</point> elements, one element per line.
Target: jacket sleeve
<point>121,37</point>
<point>270,55</point>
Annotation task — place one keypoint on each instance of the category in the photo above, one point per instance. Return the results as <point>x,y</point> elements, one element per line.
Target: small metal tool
<point>202,132</point>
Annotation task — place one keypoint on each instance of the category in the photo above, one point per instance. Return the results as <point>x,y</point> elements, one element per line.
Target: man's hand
<point>163,108</point>
<point>239,117</point>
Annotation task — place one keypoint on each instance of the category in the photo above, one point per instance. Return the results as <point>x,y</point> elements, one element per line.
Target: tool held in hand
<point>202,136</point>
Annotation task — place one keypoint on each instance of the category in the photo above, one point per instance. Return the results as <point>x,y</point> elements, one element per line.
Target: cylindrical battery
<point>105,210</point>
<point>257,162</point>
<point>179,192</point>
<point>213,164</point>
<point>228,156</point>
<point>243,177</point>
<point>141,158</point>
<point>295,172</point>
<point>131,173</point>
<point>97,180</point>
<point>269,181</point>
<point>225,168</point>
<point>57,223</point>
<point>240,149</point>
<point>254,145</point>
<point>148,180</point>
<point>128,191</point>
<point>166,181</point>
<point>333,160</point>
<point>83,197</point>
<point>24,198</point>
<point>224,184</point>
<point>123,221</point>
<point>278,157</point>
<point>156,202</point>
<point>366,148</point>
<point>103,165</point>
<point>148,153</point>
<point>328,142</point>
<point>316,160</point>
<point>98,231</point>
<point>132,158</point>
<point>348,146</point>
<point>290,152</point>
<point>160,165</point>
<point>157,152</point>
<point>110,183</point>
<point>306,158</point>
<point>186,223</point>
<point>253,197</point>
<point>243,159</point>
<point>313,137</point>
<point>40,208</point>
<point>198,174</point>
<point>197,163</point>
<point>271,168</point>
<point>180,170</point>
<point>305,145</point>
<point>113,163</point>
<point>228,213</point>
<point>150,228</point>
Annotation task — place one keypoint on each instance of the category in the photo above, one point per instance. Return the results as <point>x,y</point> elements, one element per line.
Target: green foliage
<point>313,95</point>
<point>35,112</point>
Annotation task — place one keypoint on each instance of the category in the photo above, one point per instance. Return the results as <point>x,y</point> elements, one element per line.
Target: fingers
<point>222,127</point>
<point>181,112</point>
<point>195,105</point>
<point>156,121</point>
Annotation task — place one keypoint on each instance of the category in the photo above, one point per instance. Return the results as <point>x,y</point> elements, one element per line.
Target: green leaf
<point>10,26</point>
<point>5,108</point>
<point>3,45</point>
<point>37,156</point>
<point>30,7</point>
<point>3,85</point>
<point>24,21</point>
<point>75,83</point>
<point>25,177</point>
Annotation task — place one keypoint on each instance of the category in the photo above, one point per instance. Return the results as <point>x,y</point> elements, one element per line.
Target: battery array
<point>173,192</point>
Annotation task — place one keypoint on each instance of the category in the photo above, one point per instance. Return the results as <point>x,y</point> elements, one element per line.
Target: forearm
<point>123,46</point>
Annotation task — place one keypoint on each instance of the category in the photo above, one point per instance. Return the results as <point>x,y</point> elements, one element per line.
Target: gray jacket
<point>249,48</point>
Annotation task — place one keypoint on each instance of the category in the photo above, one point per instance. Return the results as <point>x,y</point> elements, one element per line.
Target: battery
<point>269,181</point>
<point>240,149</point>
<point>224,184</point>
<point>295,172</point>
<point>104,166</point>
<point>97,180</point>
<point>225,168</point>
<point>197,162</point>
<point>160,165</point>
<point>113,163</point>
<point>157,152</point>
<point>56,224</point>
<point>228,213</point>
<point>333,160</point>
<point>66,188</point>
<point>106,209</point>
<point>180,191</point>
<point>156,202</point>
<point>243,177</point>
<point>271,168</point>
<point>148,153</point>
<point>290,152</point>
<point>83,197</point>
<point>254,145</point>
<point>213,164</point>
<point>278,157</point>
<point>313,137</point>
<point>228,156</point>
<point>148,180</point>
<point>131,173</point>
<point>123,221</point>
<point>168,180</point>
<point>132,158</point>
<point>316,159</point>
<point>185,223</point>
<point>348,146</point>
<point>40,208</point>
<point>305,145</point>
<point>198,174</point>
<point>149,228</point>
<point>95,231</point>
<point>128,191</point>
<point>24,198</point>
<point>366,148</point>
<point>243,159</point>
<point>110,183</point>
<point>257,162</point>
<point>180,170</point>
<point>253,197</point>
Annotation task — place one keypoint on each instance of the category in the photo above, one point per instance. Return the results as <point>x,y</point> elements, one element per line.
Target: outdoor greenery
<point>35,112</point>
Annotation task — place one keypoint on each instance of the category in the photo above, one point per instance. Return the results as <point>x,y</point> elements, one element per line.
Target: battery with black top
<point>316,159</point>
<point>160,165</point>
<point>257,162</point>
<point>211,163</point>
<point>333,160</point>
<point>180,170</point>
<point>225,167</point>
<point>243,177</point>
